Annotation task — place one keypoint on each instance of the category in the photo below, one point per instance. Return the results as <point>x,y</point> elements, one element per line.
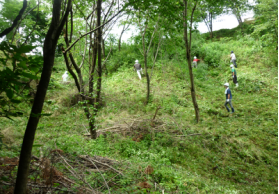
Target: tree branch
<point>92,31</point>
<point>8,30</point>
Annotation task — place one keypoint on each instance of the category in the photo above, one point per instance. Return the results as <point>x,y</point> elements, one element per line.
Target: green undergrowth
<point>224,153</point>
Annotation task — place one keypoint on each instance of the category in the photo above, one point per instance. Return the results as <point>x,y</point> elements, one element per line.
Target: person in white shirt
<point>233,59</point>
<point>138,68</point>
<point>65,76</point>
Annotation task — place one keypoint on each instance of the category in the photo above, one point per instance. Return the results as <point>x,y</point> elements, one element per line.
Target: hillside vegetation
<point>223,153</point>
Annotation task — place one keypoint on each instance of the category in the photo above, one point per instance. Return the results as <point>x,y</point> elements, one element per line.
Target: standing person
<point>233,59</point>
<point>138,68</point>
<point>65,76</point>
<point>228,98</point>
<point>234,75</point>
<point>195,62</point>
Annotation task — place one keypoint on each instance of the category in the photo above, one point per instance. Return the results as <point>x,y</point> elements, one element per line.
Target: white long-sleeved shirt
<point>233,56</point>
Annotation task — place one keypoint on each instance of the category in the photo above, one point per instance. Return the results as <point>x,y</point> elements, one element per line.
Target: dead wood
<point>156,112</point>
<point>90,159</point>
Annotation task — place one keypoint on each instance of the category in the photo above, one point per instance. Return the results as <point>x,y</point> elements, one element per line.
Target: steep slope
<point>224,153</point>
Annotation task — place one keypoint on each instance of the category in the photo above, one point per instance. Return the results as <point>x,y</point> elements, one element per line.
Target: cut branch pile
<point>131,127</point>
<point>62,172</point>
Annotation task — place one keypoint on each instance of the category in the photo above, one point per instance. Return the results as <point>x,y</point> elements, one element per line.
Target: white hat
<point>231,65</point>
<point>137,61</point>
<point>195,57</point>
<point>226,84</point>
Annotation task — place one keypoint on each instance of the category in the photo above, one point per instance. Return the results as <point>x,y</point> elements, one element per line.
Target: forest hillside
<point>81,119</point>
<point>159,146</point>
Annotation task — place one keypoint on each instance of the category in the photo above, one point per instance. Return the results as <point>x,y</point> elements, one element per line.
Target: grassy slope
<point>234,153</point>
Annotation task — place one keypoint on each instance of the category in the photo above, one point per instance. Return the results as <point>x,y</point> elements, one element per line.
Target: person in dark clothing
<point>228,98</point>
<point>234,75</point>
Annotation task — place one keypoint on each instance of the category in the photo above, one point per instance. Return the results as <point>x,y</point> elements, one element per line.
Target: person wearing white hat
<point>228,94</point>
<point>138,68</point>
<point>65,76</point>
<point>234,75</point>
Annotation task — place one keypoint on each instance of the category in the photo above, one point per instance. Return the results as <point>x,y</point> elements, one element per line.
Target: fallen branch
<point>38,186</point>
<point>101,174</point>
<point>156,112</point>
<point>89,160</point>
<point>74,174</point>
<point>194,134</point>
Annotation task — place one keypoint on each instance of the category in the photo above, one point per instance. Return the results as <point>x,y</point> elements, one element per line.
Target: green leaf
<point>28,75</point>
<point>25,49</point>
<point>4,178</point>
<point>9,93</point>
<point>15,101</point>
<point>22,64</point>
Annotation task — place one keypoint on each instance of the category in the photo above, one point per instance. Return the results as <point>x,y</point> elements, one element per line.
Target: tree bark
<point>210,24</point>
<point>99,52</point>
<point>103,48</point>
<point>119,41</point>
<point>121,34</point>
<point>145,66</point>
<point>188,54</point>
<point>50,43</point>
<point>93,65</point>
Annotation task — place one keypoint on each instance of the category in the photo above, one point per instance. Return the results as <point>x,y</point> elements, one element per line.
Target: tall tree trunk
<point>210,24</point>
<point>188,54</point>
<point>90,117</point>
<point>50,43</point>
<point>147,79</point>
<point>237,15</point>
<point>99,52</point>
<point>103,48</point>
<point>145,67</point>
<point>92,69</point>
<point>119,42</point>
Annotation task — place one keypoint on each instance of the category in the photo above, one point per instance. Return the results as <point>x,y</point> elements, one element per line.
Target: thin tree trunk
<point>188,55</point>
<point>93,65</point>
<point>208,22</point>
<point>145,67</point>
<point>121,34</point>
<point>99,52</point>
<point>90,117</point>
<point>147,79</point>
<point>237,15</point>
<point>50,43</point>
<point>211,31</point>
<point>155,57</point>
<point>103,48</point>
<point>119,41</point>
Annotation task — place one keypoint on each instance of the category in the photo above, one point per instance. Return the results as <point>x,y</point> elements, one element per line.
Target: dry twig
<point>100,173</point>
<point>85,158</point>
